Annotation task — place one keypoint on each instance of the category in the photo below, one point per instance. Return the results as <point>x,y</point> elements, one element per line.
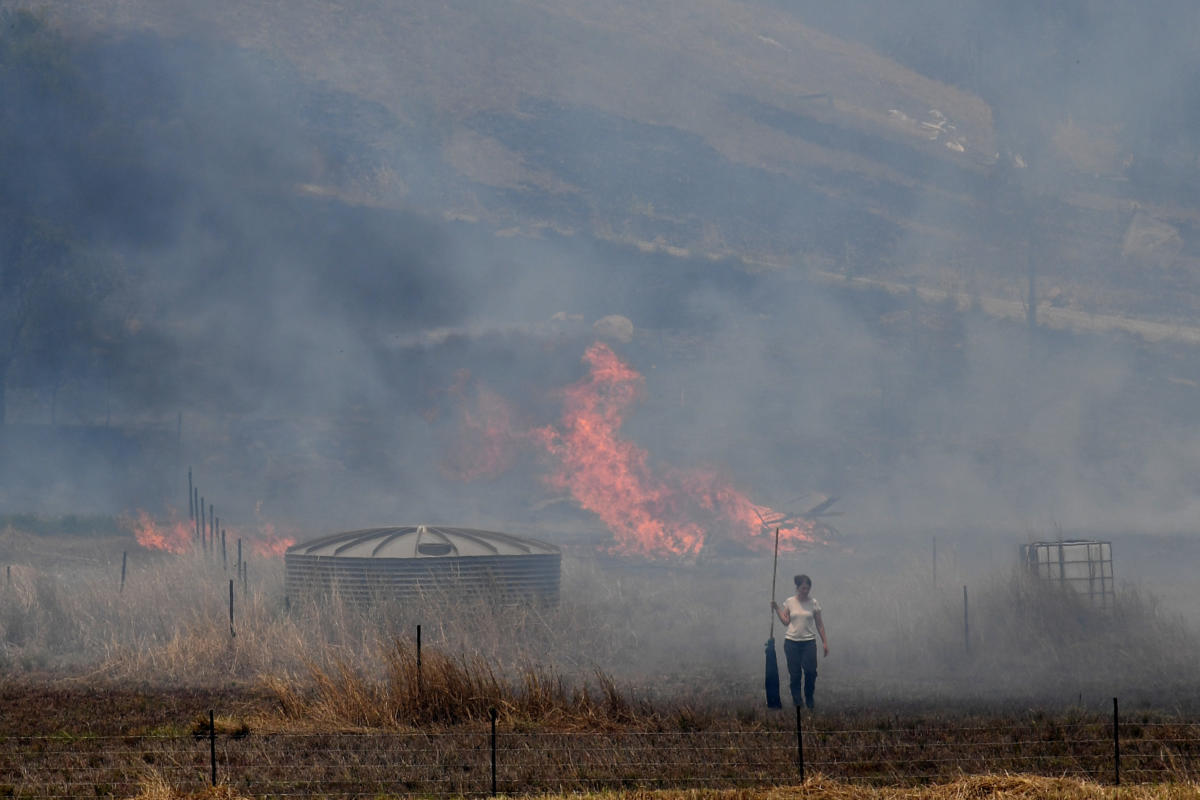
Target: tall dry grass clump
<point>155,787</point>
<point>445,689</point>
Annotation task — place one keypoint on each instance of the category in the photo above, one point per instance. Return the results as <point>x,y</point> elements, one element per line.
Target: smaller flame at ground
<point>174,536</point>
<point>179,537</point>
<point>268,542</point>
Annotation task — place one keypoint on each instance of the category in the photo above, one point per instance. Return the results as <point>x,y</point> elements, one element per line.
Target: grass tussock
<point>155,787</point>
<point>224,726</point>
<point>444,689</point>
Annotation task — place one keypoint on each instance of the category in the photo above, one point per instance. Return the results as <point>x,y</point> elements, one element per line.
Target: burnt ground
<point>64,741</point>
<point>33,708</point>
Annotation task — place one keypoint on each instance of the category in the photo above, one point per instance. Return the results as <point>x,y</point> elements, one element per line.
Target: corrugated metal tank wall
<point>424,562</point>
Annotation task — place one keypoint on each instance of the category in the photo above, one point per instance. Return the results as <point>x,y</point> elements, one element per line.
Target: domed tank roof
<point>415,562</point>
<point>421,542</point>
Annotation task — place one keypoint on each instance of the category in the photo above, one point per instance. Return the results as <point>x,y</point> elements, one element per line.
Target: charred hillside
<point>783,136</point>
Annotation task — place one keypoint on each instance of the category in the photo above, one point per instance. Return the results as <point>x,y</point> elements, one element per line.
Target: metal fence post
<point>420,686</point>
<point>800,741</point>
<point>212,744</point>
<point>1116,747</point>
<point>492,714</point>
<point>966,624</point>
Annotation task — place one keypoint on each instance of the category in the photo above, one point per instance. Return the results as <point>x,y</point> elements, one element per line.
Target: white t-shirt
<point>803,627</point>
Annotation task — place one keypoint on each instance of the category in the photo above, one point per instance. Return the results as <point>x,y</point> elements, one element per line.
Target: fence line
<point>478,759</point>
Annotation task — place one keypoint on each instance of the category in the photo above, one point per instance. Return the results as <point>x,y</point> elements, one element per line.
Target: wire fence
<point>483,760</point>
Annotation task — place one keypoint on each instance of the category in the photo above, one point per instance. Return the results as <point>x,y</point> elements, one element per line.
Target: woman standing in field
<point>802,615</point>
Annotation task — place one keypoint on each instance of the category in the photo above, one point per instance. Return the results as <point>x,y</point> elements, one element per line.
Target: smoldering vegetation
<point>625,645</point>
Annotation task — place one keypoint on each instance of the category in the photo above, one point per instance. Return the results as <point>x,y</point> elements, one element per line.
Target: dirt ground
<point>29,708</point>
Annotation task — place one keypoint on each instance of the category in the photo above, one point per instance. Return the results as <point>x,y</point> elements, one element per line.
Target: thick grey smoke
<point>342,262</point>
<point>332,234</point>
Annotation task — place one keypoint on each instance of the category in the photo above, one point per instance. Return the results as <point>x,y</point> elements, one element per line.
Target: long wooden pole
<point>774,574</point>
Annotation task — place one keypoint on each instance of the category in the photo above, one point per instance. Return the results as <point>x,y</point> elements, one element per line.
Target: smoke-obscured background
<point>302,248</point>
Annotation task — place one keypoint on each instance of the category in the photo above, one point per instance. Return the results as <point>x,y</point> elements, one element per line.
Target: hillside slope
<point>720,127</point>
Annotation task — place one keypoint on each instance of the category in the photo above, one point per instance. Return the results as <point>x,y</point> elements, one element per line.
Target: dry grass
<point>638,677</point>
<point>998,787</point>
<point>155,787</point>
<point>623,641</point>
<point>450,690</point>
<point>970,788</point>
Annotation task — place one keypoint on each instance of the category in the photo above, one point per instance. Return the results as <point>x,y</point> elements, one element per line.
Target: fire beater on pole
<point>772,667</point>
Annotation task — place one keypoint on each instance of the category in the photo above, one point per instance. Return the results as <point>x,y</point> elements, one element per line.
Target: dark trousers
<point>802,669</point>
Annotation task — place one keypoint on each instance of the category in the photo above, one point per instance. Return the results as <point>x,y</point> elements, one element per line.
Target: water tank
<point>427,562</point>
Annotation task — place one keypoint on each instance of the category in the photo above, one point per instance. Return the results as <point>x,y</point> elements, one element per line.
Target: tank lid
<point>421,541</point>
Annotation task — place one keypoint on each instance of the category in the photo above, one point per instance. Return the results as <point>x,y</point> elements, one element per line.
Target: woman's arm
<point>784,616</point>
<point>821,630</point>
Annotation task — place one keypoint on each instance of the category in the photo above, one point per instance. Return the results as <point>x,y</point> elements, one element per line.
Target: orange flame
<point>268,543</point>
<point>174,537</point>
<point>265,540</point>
<point>609,476</point>
<point>747,517</point>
